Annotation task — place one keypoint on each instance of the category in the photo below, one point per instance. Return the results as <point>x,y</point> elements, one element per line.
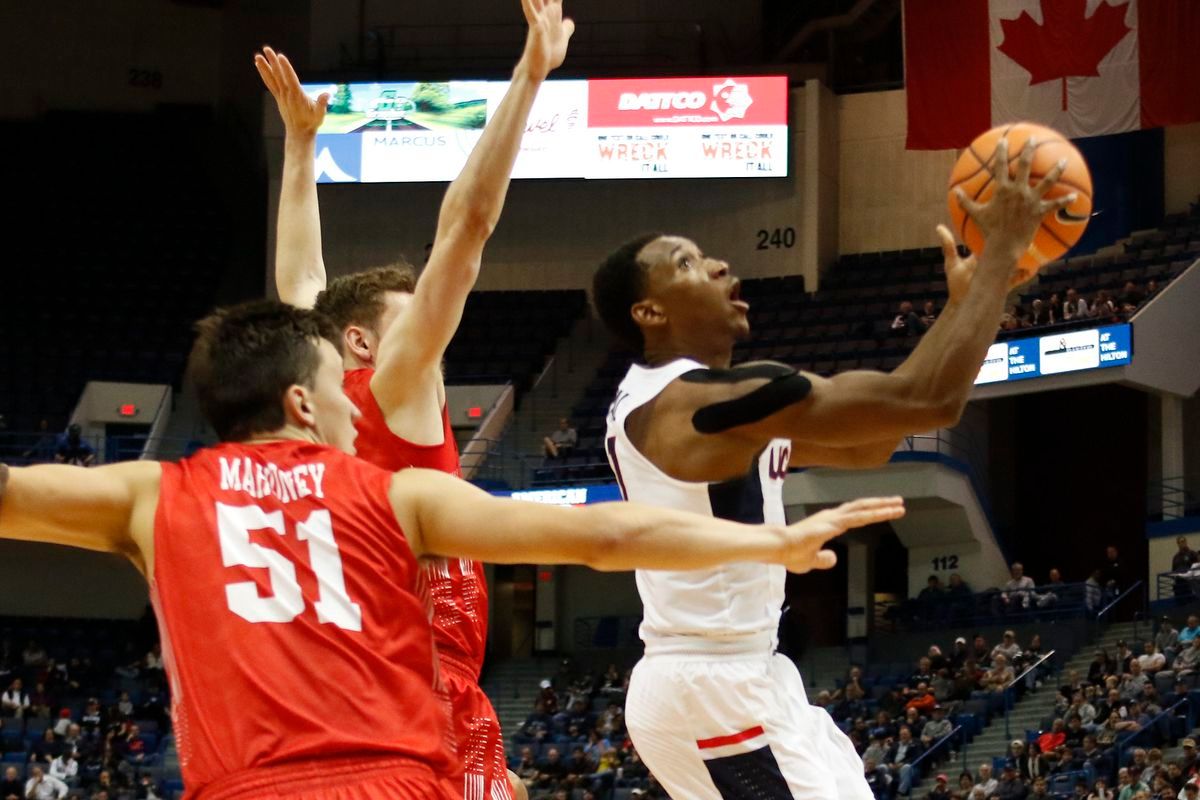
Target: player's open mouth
<point>735,296</point>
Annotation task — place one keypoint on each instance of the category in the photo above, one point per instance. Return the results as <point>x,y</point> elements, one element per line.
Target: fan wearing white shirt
<point>65,767</point>
<point>41,786</point>
<point>1153,660</point>
<point>15,700</point>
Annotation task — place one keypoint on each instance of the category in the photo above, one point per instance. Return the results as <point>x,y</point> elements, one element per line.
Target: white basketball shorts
<point>738,728</point>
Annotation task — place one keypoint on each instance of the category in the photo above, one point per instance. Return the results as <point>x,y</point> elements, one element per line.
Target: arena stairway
<point>513,686</point>
<point>1032,710</point>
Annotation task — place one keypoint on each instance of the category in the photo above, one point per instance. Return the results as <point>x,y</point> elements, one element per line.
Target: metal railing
<point>943,742</point>
<point>1169,498</point>
<point>1138,589</point>
<point>21,448</point>
<point>1156,725</point>
<point>1014,684</point>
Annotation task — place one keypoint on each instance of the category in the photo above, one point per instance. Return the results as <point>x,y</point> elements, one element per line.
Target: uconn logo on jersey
<point>778,458</point>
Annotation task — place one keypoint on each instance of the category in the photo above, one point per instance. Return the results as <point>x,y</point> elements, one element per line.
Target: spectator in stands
<point>1054,737</point>
<point>937,727</point>
<point>41,786</point>
<point>967,680</point>
<point>1016,594</point>
<point>1081,709</point>
<point>14,702</point>
<point>1074,307</point>
<point>1021,315</point>
<point>1181,562</point>
<point>1052,590</point>
<point>984,782</point>
<point>1103,307</point>
<point>1000,675</point>
<point>1038,790</point>
<point>959,653</point>
<point>551,770</point>
<point>12,787</point>
<point>47,749</point>
<point>1112,573</point>
<point>1131,295</point>
<point>578,767</point>
<point>40,701</point>
<point>527,769</point>
<point>1127,786</point>
<point>1074,733</point>
<point>1188,661</point>
<point>561,442</point>
<point>931,600</point>
<point>929,314</point>
<point>907,323</point>
<point>878,778</point>
<point>1031,764</point>
<point>980,650</point>
<point>1154,764</point>
<point>924,673</point>
<point>65,766</point>
<point>1151,288</point>
<point>1093,593</point>
<point>1167,640</point>
<point>958,598</point>
<point>1041,314</point>
<point>1124,656</point>
<point>1190,631</point>
<point>1010,786</point>
<point>611,683</point>
<point>900,757</point>
<point>1152,660</point>
<point>876,749</point>
<point>1134,682</point>
<point>93,716</point>
<point>72,449</point>
<point>1008,648</point>
<point>941,789</point>
<point>1100,791</point>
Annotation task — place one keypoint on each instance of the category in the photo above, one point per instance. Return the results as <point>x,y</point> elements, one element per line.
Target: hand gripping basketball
<point>804,549</point>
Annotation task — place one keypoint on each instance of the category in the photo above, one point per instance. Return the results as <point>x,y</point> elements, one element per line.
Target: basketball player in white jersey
<point>714,712</point>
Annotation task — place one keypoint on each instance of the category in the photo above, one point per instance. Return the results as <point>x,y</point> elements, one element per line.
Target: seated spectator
<point>1041,314</point>
<point>1016,594</point>
<point>1075,307</point>
<point>985,784</point>
<point>551,770</point>
<point>967,680</point>
<point>878,778</point>
<point>941,788</point>
<point>1127,785</point>
<point>924,673</point>
<point>981,652</point>
<point>12,787</point>
<point>527,769</point>
<point>1167,640</point>
<point>907,323</point>
<point>1038,790</point>
<point>72,449</point>
<point>1099,792</point>
<point>561,442</point>
<point>1093,593</point>
<point>1054,737</point>
<point>1134,682</point>
<point>1123,657</point>
<point>900,757</point>
<point>1190,631</point>
<point>937,727</point>
<point>1132,295</point>
<point>65,766</point>
<point>578,767</point>
<point>40,701</point>
<point>537,725</point>
<point>876,749</point>
<point>1000,675</point>
<point>959,654</point>
<point>929,314</point>
<point>1008,648</point>
<point>1100,668</point>
<point>958,597</point>
<point>1081,710</point>
<point>931,600</point>
<point>942,686</point>
<point>14,702</point>
<point>1021,314</point>
<point>966,783</point>
<point>1103,307</point>
<point>1051,591</point>
<point>41,786</point>
<point>1010,786</point>
<point>1152,660</point>
<point>1074,734</point>
<point>47,749</point>
<point>1031,764</point>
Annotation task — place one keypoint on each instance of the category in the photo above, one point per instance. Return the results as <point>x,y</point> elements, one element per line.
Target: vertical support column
<point>819,182</point>
<point>545,618</point>
<point>860,581</point>
<point>1172,456</point>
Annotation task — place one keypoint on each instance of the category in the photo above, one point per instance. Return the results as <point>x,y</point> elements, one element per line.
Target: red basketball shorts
<point>477,731</point>
<point>339,779</point>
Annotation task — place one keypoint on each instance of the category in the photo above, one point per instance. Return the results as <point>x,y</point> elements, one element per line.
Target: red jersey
<point>457,587</point>
<point>292,626</point>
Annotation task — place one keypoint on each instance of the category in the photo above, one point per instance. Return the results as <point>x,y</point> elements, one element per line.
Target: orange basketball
<point>1060,229</point>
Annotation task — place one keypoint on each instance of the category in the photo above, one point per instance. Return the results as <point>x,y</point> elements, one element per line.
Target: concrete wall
<point>45,580</point>
<point>1182,156</point>
<point>583,592</point>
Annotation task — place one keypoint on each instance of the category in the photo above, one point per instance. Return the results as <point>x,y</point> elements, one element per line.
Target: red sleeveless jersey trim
<point>286,594</point>
<point>457,588</point>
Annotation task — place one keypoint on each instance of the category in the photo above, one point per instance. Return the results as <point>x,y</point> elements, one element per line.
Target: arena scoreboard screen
<point>1057,353</point>
<point>717,127</point>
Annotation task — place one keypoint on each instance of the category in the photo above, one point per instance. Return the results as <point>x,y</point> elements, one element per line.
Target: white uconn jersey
<point>734,607</point>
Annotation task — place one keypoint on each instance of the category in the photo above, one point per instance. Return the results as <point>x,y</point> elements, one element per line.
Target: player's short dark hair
<point>246,356</point>
<point>618,284</point>
<point>357,299</point>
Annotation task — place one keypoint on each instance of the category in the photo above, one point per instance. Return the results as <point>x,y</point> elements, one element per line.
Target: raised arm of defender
<point>415,345</point>
<point>299,266</point>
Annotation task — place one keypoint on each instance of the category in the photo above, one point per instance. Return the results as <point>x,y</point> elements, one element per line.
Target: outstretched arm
<point>930,389</point>
<point>444,516</point>
<point>299,267</point>
<point>415,344</point>
<point>91,508</point>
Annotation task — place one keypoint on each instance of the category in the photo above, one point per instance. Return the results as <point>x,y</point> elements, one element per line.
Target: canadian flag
<point>1083,67</point>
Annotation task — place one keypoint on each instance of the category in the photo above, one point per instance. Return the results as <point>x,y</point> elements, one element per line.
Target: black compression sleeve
<point>784,387</point>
